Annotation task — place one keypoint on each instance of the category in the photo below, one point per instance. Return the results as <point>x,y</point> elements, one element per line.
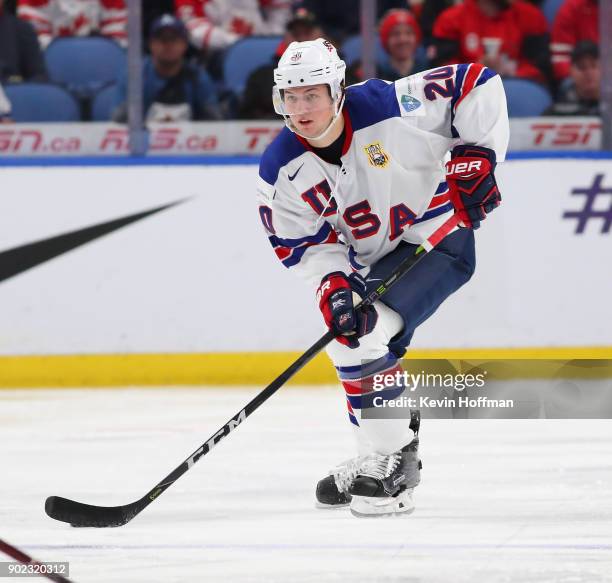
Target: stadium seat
<point>351,50</point>
<point>84,64</point>
<point>41,102</point>
<point>526,98</point>
<point>550,9</point>
<point>246,55</point>
<point>103,104</point>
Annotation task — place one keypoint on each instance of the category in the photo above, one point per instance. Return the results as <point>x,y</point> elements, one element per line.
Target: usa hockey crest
<point>377,157</point>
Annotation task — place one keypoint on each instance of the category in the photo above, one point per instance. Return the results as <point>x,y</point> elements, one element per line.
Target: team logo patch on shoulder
<point>377,157</point>
<point>410,103</point>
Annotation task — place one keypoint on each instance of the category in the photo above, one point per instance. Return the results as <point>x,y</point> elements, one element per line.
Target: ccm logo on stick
<point>463,167</point>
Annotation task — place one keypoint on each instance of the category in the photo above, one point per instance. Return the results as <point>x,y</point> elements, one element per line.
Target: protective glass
<point>300,101</point>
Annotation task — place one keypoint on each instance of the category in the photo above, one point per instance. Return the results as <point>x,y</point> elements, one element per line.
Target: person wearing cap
<point>400,36</point>
<point>174,89</point>
<point>579,95</point>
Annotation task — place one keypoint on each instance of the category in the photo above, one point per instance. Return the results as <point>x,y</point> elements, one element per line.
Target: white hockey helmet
<point>309,63</point>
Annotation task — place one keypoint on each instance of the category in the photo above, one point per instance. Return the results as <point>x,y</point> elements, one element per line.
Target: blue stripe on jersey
<point>442,187</point>
<point>432,214</point>
<point>295,257</point>
<point>352,255</point>
<point>318,237</point>
<point>370,103</point>
<point>359,371</point>
<point>284,148</point>
<point>459,77</point>
<point>485,76</point>
<point>298,246</point>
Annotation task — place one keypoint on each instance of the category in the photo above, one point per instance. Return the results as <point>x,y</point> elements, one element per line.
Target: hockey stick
<point>79,514</point>
<point>38,568</point>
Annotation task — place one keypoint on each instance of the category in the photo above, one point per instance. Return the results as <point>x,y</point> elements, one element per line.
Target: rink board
<point>176,294</point>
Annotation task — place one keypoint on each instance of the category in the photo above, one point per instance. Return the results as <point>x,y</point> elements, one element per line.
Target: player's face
<point>310,109</point>
<point>402,42</point>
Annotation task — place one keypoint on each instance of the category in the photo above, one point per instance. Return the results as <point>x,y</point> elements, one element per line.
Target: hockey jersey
<point>216,24</point>
<point>390,187</point>
<point>51,18</point>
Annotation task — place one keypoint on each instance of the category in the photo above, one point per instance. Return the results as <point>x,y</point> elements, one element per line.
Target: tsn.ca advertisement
<point>244,138</point>
<point>95,139</point>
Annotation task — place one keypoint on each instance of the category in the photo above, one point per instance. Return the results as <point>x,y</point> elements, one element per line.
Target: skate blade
<point>361,507</point>
<point>322,506</point>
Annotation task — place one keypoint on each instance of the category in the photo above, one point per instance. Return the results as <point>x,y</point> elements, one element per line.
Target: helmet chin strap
<point>334,118</point>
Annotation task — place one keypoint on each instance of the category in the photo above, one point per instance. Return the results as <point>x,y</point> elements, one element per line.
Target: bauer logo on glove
<point>472,185</point>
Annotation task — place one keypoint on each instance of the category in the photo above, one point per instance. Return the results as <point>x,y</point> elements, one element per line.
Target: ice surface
<point>500,501</point>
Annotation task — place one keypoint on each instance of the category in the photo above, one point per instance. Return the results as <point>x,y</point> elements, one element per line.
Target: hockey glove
<point>473,190</point>
<point>335,296</point>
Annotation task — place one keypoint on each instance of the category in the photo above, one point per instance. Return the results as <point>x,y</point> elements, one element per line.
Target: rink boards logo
<point>410,103</point>
<point>377,157</point>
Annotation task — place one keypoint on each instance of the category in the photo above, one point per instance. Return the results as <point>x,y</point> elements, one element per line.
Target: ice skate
<point>332,491</point>
<point>385,483</point>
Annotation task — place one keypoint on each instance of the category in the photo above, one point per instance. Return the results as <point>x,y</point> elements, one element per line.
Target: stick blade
<point>79,514</point>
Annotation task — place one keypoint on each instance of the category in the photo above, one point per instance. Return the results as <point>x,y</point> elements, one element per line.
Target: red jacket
<point>576,20</point>
<point>51,18</point>
<point>504,34</point>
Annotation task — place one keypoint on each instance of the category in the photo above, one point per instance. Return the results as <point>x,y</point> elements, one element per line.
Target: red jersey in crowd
<point>216,24</point>
<point>477,37</point>
<point>576,20</point>
<point>51,18</point>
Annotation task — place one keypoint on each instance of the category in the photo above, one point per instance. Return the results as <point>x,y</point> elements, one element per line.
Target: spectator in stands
<point>20,56</point>
<point>256,103</point>
<point>174,90</point>
<point>509,36</point>
<point>302,26</point>
<point>53,18</point>
<point>576,20</point>
<point>579,95</point>
<point>340,19</point>
<point>217,24</point>
<point>400,36</point>
<point>5,107</point>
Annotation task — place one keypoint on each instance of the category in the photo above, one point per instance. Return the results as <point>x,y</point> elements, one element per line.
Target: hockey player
<point>347,191</point>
